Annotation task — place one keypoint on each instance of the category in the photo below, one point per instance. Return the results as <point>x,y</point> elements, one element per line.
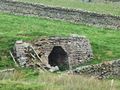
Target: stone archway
<point>64,51</point>
<point>58,57</point>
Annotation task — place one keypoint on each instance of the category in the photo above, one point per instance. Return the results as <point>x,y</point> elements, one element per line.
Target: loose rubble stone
<point>53,69</point>
<point>103,70</point>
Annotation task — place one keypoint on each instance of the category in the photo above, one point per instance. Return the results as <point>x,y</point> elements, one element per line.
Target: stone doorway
<point>58,57</point>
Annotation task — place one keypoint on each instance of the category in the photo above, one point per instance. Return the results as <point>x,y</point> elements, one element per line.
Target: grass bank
<point>32,80</point>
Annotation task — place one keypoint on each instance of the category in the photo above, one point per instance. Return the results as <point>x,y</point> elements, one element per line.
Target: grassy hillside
<point>105,43</point>
<point>108,8</point>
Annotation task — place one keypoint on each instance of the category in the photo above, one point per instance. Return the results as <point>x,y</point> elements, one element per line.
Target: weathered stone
<point>19,52</point>
<point>54,69</point>
<point>102,70</point>
<point>64,52</point>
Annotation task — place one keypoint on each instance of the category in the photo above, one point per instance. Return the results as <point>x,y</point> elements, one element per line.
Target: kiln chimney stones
<point>64,52</point>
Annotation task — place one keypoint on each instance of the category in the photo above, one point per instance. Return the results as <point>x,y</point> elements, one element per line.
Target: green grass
<point>105,43</point>
<point>107,8</point>
<point>22,80</point>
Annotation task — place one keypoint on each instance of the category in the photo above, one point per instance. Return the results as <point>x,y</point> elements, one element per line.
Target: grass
<point>106,8</point>
<point>22,80</point>
<point>105,42</point>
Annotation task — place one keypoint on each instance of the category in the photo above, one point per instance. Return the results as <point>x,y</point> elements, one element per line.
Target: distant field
<point>105,42</point>
<point>107,8</point>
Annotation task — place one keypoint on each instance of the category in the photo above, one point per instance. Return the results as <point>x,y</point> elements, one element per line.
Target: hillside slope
<point>105,42</point>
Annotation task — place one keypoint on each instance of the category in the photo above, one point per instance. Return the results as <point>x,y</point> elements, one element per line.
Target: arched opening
<point>58,57</point>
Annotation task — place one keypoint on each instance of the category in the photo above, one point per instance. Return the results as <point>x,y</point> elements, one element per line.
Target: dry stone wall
<point>107,69</point>
<point>53,51</point>
<point>72,15</point>
<point>78,50</point>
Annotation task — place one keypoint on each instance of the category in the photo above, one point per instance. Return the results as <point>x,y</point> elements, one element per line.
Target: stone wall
<point>78,50</point>
<point>63,52</point>
<point>107,69</point>
<point>72,15</point>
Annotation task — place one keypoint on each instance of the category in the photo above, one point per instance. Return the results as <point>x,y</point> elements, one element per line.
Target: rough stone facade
<point>64,51</point>
<point>72,15</point>
<point>19,52</point>
<point>108,69</point>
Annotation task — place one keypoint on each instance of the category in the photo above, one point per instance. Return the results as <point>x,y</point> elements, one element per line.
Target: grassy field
<point>105,42</point>
<point>107,8</point>
<point>32,80</point>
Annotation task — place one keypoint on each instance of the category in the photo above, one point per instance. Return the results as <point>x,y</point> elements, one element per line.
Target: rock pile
<point>26,56</point>
<point>102,70</point>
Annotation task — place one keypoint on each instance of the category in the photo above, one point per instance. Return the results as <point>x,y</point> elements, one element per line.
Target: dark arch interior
<point>58,57</point>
